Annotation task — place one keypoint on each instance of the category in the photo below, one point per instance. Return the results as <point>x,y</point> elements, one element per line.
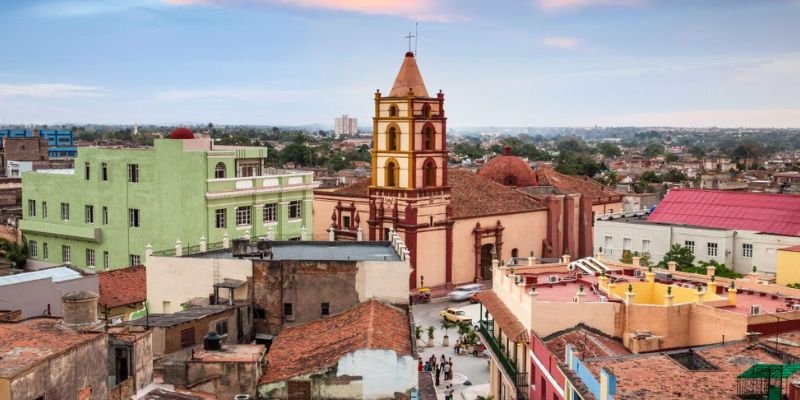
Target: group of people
<point>441,368</point>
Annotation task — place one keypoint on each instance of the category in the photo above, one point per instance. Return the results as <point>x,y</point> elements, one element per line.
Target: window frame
<point>44,209</point>
<point>325,309</point>
<point>104,215</point>
<point>87,171</point>
<point>747,250</point>
<point>66,254</point>
<point>106,260</point>
<point>269,209</point>
<point>244,216</point>
<point>133,173</point>
<point>134,260</point>
<point>65,212</point>
<point>88,213</point>
<point>104,171</point>
<point>690,244</point>
<point>33,248</point>
<point>220,171</point>
<point>290,307</point>
<point>220,220</point>
<point>31,208</point>
<point>90,258</point>
<point>295,209</point>
<point>134,218</point>
<point>712,246</point>
<point>45,251</point>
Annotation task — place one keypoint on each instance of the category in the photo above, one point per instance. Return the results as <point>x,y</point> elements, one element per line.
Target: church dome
<point>181,133</point>
<point>508,170</point>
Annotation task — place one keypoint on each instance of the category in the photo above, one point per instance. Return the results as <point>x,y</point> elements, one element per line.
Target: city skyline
<point>526,63</point>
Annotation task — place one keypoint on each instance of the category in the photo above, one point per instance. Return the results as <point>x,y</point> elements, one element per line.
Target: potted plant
<point>418,332</point>
<point>430,335</point>
<point>446,324</point>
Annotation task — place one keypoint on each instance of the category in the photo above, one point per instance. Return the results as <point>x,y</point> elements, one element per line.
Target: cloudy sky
<point>499,62</point>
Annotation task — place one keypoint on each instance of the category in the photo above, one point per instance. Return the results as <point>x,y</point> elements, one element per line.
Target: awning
<point>503,317</point>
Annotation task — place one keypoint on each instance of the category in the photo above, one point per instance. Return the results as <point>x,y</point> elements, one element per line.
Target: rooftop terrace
<point>321,251</point>
<point>167,320</point>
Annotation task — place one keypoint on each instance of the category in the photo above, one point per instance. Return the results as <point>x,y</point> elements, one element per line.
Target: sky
<point>726,63</point>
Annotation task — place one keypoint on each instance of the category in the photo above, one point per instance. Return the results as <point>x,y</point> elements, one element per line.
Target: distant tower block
<point>346,126</point>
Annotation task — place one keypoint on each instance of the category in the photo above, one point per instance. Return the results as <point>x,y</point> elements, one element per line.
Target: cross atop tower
<point>409,40</point>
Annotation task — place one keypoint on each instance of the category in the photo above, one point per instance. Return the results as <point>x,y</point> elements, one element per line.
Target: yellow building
<point>787,265</point>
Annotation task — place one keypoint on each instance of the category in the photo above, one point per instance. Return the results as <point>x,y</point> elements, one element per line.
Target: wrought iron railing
<point>488,336</point>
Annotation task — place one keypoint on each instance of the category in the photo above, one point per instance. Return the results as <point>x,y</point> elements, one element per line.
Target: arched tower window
<point>393,110</point>
<point>392,174</point>
<point>510,180</point>
<point>392,139</point>
<point>429,169</point>
<point>429,135</point>
<point>219,171</point>
<point>426,111</point>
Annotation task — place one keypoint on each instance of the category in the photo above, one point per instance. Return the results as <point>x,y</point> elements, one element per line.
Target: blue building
<point>60,143</point>
<point>15,133</point>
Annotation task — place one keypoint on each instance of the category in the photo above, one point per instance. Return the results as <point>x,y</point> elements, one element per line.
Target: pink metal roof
<point>777,214</point>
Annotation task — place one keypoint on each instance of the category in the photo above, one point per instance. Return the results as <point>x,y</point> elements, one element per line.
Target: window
<point>259,313</point>
<point>747,250</point>
<point>391,139</point>
<point>134,260</point>
<point>346,222</point>
<point>219,171</point>
<point>711,249</point>
<point>44,209</point>
<point>89,214</point>
<point>426,110</point>
<point>33,248</point>
<point>242,216</point>
<point>514,253</point>
<point>287,309</point>
<point>270,213</point>
<point>133,217</point>
<point>221,327</point>
<point>690,245</point>
<point>645,246</point>
<point>104,171</point>
<point>31,208</point>
<point>430,173</point>
<point>430,135</point>
<point>187,337</point>
<point>105,215</point>
<point>609,243</point>
<point>393,110</point>
<point>295,209</point>
<point>626,244</point>
<point>249,168</point>
<point>65,211</point>
<point>133,173</point>
<point>219,218</point>
<point>86,171</point>
<point>66,254</point>
<point>90,258</point>
<point>325,309</point>
<point>392,174</point>
<point>45,251</point>
<point>106,261</point>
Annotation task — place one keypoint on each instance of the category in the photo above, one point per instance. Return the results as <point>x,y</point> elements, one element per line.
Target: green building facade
<point>115,202</point>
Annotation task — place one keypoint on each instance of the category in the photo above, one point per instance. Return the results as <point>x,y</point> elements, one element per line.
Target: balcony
<point>520,379</point>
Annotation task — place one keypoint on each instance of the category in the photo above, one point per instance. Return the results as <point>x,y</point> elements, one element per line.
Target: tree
<point>721,270</point>
<point>683,256</point>
<point>16,253</point>
<point>609,150</point>
<point>697,151</point>
<point>653,150</point>
<point>674,175</point>
<point>670,158</point>
<point>447,324</point>
<point>470,150</point>
<point>652,177</point>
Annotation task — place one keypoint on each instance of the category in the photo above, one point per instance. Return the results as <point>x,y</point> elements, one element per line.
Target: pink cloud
<point>572,5</point>
<point>560,42</point>
<point>428,10</point>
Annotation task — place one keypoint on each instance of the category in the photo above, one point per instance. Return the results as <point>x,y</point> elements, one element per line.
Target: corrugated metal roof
<point>777,214</point>
<point>58,274</point>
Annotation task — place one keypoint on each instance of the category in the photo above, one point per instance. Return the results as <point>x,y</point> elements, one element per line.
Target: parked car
<point>462,293</point>
<point>456,315</point>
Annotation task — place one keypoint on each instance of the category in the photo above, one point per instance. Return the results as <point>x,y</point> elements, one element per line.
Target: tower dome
<point>508,170</point>
<point>181,133</point>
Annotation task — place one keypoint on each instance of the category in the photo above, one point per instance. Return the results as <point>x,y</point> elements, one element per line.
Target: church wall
<point>523,231</point>
<point>324,206</point>
<point>405,138</point>
<point>431,253</point>
<point>402,162</point>
<point>599,209</point>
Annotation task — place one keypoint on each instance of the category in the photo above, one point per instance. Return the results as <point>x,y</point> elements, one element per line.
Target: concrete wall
<point>166,279</point>
<point>33,297</point>
<point>168,339</point>
<point>363,374</point>
<point>233,377</point>
<point>382,279</point>
<point>551,317</point>
<point>62,377</point>
<point>787,267</point>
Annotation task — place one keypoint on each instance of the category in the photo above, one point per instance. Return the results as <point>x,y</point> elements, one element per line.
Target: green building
<point>105,211</point>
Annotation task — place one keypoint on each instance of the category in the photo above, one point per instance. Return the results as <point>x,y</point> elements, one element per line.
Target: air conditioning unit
<point>552,279</point>
<point>755,309</point>
<point>637,273</point>
<point>795,307</point>
<point>603,299</point>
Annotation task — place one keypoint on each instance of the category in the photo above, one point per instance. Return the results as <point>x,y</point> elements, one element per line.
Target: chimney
<point>80,308</point>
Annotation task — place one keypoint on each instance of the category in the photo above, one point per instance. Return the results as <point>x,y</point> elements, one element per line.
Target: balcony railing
<point>520,378</point>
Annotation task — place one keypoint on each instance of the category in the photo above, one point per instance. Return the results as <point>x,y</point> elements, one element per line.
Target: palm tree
<point>14,252</point>
<point>447,324</point>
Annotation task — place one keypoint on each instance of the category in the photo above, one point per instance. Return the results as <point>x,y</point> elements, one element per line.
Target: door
<point>486,261</point>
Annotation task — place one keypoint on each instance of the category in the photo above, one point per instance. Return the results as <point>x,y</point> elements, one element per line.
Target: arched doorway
<point>487,251</point>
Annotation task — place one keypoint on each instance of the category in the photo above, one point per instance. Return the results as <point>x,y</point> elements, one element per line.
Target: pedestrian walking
<point>438,373</point>
<point>448,393</point>
<point>419,365</point>
<point>446,371</point>
<point>450,364</point>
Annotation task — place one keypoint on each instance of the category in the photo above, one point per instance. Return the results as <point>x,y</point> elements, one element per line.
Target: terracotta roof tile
<point>508,170</point>
<point>586,342</point>
<point>317,345</point>
<point>124,286</point>
<point>408,77</point>
<point>503,317</point>
<point>547,176</point>
<point>26,343</point>
<point>359,188</point>
<point>475,196</point>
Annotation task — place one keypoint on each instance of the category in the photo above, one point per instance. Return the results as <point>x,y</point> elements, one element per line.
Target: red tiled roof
<point>587,344</point>
<point>547,176</point>
<point>408,78</point>
<point>359,188</point>
<point>508,170</point>
<point>777,214</point>
<point>475,196</point>
<point>657,376</point>
<point>503,317</point>
<point>27,343</point>
<point>124,286</point>
<point>317,345</point>
<point>795,249</point>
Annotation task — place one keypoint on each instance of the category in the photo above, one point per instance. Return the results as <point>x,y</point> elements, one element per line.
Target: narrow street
<point>470,373</point>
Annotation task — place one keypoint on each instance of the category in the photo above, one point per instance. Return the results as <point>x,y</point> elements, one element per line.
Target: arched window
<point>393,110</point>
<point>429,170</point>
<point>514,253</point>
<point>392,174</point>
<point>219,171</point>
<point>426,111</point>
<point>392,139</point>
<point>510,180</point>
<point>429,136</point>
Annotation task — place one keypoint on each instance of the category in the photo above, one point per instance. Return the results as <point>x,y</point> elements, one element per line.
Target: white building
<point>346,125</point>
<point>740,230</point>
